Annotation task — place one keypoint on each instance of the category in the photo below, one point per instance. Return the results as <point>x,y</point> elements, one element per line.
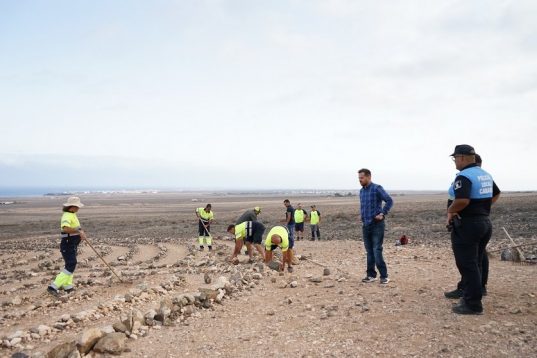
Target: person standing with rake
<point>71,234</point>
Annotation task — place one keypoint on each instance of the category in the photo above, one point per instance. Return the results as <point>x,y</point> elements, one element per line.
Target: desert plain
<point>176,301</point>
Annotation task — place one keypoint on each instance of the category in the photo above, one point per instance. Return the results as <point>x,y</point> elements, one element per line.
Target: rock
<point>316,279</point>
<point>273,279</point>
<point>108,329</point>
<point>88,339</point>
<point>207,278</point>
<point>80,316</point>
<point>150,314</point>
<point>220,296</point>
<point>134,319</point>
<point>16,301</point>
<point>274,265</point>
<point>113,343</point>
<point>74,354</point>
<point>257,276</point>
<point>20,355</point>
<point>65,317</point>
<point>326,271</point>
<point>120,327</point>
<point>209,293</point>
<point>221,282</point>
<point>15,341</point>
<point>507,255</point>
<point>42,330</point>
<point>293,284</point>
<point>63,350</point>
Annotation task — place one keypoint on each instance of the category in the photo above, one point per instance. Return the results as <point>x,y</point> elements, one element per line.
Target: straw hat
<point>74,201</point>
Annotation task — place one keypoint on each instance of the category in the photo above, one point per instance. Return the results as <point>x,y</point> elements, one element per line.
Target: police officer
<point>474,192</point>
<point>458,292</point>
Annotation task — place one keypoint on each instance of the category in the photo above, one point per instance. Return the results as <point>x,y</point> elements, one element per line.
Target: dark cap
<point>463,149</point>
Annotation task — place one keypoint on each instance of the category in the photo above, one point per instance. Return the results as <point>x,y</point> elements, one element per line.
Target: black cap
<point>463,149</point>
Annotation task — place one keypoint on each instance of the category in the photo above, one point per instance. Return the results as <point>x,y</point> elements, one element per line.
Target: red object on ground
<point>403,240</point>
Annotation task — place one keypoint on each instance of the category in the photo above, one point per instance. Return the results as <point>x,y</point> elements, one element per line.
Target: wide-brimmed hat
<point>257,209</point>
<point>74,201</point>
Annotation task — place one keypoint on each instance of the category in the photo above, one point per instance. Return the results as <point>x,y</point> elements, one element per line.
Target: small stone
<point>273,279</point>
<point>516,311</point>
<point>326,271</point>
<point>293,284</point>
<point>16,301</point>
<point>271,313</point>
<point>207,278</point>
<point>316,279</point>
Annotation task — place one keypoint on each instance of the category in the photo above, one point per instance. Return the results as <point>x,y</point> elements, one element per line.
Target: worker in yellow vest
<point>315,221</point>
<point>247,232</point>
<point>278,236</point>
<point>205,218</point>
<point>71,234</point>
<point>299,215</point>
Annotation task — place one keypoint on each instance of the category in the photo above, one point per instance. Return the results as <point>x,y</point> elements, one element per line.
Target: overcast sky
<point>265,94</point>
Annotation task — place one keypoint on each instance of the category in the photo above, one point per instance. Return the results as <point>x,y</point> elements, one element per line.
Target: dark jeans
<point>468,242</point>
<point>484,268</point>
<point>373,240</point>
<point>68,248</point>
<point>291,229</point>
<point>315,232</point>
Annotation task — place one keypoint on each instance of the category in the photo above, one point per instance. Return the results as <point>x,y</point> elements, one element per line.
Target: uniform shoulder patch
<point>457,185</point>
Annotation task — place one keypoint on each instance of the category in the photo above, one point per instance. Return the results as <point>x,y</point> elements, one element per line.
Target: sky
<point>215,94</point>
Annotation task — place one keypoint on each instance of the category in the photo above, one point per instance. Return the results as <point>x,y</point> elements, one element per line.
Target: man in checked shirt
<point>373,214</point>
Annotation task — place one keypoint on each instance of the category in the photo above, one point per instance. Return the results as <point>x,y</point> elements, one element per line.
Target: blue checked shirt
<point>371,198</point>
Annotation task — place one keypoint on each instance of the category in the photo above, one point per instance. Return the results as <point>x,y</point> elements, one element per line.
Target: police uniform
<point>471,234</point>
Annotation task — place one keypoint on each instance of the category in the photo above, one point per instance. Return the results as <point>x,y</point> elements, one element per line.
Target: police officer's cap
<point>463,149</point>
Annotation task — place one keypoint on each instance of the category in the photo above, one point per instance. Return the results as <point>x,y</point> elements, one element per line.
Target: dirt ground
<point>149,239</point>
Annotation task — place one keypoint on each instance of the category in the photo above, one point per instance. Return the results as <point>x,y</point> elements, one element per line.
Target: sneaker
<point>369,279</point>
<point>455,294</point>
<point>384,280</point>
<point>290,269</point>
<point>464,309</point>
<point>54,292</point>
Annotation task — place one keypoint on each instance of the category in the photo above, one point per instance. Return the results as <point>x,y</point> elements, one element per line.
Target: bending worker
<point>205,218</point>
<point>248,232</point>
<point>72,234</point>
<point>278,236</point>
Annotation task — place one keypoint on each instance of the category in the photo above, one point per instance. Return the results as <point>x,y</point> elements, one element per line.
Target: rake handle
<point>106,263</point>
